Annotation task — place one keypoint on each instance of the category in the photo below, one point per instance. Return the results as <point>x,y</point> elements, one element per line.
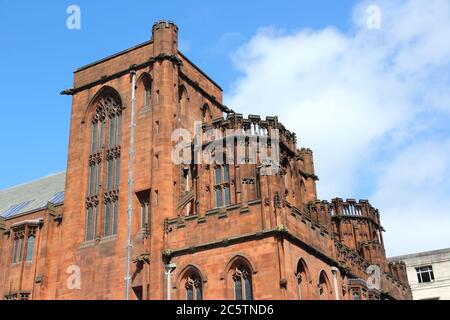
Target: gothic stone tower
<point>96,200</point>
<point>220,230</point>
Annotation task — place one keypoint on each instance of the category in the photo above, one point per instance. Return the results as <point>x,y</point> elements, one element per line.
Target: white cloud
<point>363,101</point>
<point>414,192</point>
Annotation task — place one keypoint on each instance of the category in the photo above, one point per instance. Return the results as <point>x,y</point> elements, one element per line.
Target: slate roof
<point>32,195</point>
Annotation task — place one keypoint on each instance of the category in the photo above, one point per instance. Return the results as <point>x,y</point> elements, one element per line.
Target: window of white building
<point>425,274</point>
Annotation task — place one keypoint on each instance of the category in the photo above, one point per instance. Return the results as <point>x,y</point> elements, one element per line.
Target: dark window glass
<point>109,170</point>
<point>92,175</point>
<point>198,291</point>
<point>189,293</point>
<point>218,175</point>
<point>425,274</point>
<point>21,242</point>
<point>117,174</point>
<point>15,249</point>
<point>115,217</point>
<point>30,248</point>
<point>226,173</point>
<point>94,137</point>
<point>119,129</point>
<point>100,141</point>
<point>227,196</point>
<point>238,288</point>
<point>90,227</point>
<point>99,177</point>
<point>112,131</point>
<point>248,287</point>
<point>218,197</point>
<point>144,214</point>
<point>107,223</point>
<point>258,186</point>
<point>147,96</point>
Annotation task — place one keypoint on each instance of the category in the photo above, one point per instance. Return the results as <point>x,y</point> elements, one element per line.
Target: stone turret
<point>165,38</point>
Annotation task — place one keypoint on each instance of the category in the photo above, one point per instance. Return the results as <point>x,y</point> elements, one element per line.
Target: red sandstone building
<point>196,231</point>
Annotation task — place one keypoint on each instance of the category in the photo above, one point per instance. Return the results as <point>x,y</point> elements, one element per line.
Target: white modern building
<point>428,274</point>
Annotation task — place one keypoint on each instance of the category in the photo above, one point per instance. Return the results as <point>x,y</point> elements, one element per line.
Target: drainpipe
<point>334,271</point>
<point>169,268</point>
<point>130,186</point>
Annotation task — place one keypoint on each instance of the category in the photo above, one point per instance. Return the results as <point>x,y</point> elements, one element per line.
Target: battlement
<point>165,38</point>
<point>352,208</point>
<point>348,208</point>
<point>305,151</point>
<point>253,125</point>
<point>164,24</point>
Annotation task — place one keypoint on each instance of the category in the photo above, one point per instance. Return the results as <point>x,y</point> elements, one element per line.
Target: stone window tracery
<point>105,151</point>
<point>193,286</point>
<point>242,283</point>
<point>30,245</point>
<point>24,243</point>
<point>302,280</point>
<point>19,241</point>
<point>222,185</point>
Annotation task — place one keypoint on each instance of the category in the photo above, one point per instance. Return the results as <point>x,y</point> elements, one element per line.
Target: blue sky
<point>374,105</point>
<point>39,55</point>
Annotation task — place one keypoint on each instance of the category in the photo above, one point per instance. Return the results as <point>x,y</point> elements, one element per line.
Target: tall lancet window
<point>242,282</point>
<point>147,96</point>
<point>146,87</point>
<point>193,287</point>
<point>105,152</point>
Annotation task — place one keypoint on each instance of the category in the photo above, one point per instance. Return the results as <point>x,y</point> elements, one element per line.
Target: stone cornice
<point>161,57</point>
<point>106,78</point>
<point>30,223</point>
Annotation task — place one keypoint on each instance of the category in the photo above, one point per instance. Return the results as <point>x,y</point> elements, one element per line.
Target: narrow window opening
<point>144,200</point>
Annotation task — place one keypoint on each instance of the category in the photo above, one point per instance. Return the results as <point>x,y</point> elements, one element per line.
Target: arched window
<point>105,151</point>
<point>183,97</point>
<point>30,248</point>
<point>242,283</point>
<point>15,250</point>
<point>324,287</point>
<point>18,247</point>
<point>145,89</point>
<point>186,183</point>
<point>222,185</point>
<point>193,285</point>
<point>147,96</point>
<point>187,192</point>
<point>302,275</point>
<point>206,114</point>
